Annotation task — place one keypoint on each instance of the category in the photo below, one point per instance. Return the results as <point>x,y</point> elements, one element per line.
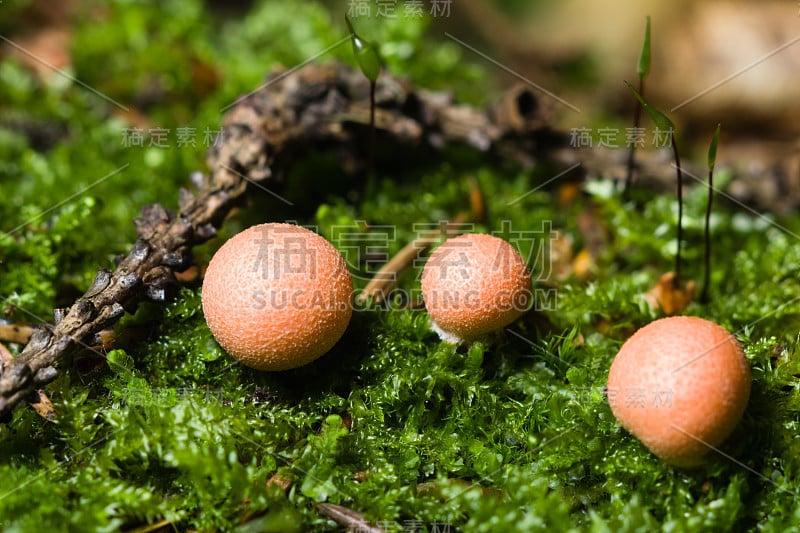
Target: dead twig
<point>346,517</point>
<point>387,276</point>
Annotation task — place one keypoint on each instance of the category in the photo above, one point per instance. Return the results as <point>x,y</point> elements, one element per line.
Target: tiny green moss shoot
<point>642,70</point>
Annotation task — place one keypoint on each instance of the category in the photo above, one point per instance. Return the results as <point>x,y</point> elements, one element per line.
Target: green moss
<point>512,433</point>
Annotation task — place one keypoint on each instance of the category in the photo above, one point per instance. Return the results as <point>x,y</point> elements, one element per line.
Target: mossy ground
<point>513,433</point>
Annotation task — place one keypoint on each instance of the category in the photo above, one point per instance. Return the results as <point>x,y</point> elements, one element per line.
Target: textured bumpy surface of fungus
<point>680,385</point>
<point>277,296</point>
<point>474,284</point>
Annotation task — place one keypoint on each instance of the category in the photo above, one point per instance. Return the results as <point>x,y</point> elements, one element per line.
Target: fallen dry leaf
<point>477,200</point>
<point>671,297</point>
<point>568,192</point>
<point>42,405</point>
<point>277,480</point>
<point>16,333</point>
<point>583,264</point>
<point>44,51</point>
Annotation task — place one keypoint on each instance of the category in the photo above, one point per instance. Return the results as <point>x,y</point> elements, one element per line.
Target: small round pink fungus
<point>277,296</point>
<point>474,284</point>
<point>680,385</point>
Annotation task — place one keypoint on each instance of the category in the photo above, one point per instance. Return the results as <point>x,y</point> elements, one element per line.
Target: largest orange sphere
<point>277,296</point>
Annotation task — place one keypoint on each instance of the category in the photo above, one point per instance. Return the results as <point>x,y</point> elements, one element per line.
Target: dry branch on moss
<point>263,135</point>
